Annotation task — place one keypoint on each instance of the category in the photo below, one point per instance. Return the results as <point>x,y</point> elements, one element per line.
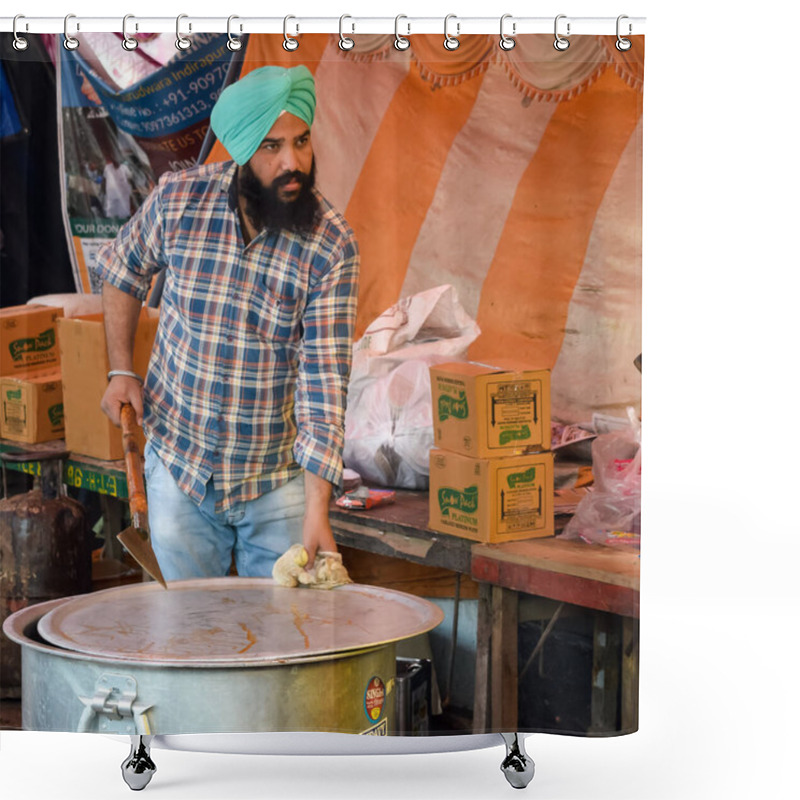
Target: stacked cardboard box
<point>491,473</point>
<point>84,363</point>
<point>31,408</point>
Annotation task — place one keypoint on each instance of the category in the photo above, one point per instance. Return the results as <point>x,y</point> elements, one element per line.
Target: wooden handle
<point>133,461</point>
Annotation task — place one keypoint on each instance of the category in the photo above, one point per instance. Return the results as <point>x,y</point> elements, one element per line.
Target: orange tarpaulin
<point>514,176</point>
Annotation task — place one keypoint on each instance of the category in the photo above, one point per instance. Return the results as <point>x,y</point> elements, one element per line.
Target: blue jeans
<point>192,541</point>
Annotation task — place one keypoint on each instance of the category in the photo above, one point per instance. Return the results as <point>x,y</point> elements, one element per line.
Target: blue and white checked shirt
<point>248,378</point>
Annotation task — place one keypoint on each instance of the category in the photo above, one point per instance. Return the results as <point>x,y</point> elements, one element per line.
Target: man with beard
<point>243,403</point>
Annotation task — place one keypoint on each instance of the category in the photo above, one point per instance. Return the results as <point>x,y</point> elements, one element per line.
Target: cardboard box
<point>485,411</point>
<point>84,369</point>
<point>491,499</point>
<point>31,406</point>
<point>28,338</point>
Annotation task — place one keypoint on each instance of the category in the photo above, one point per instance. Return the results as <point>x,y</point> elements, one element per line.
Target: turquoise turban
<point>247,109</point>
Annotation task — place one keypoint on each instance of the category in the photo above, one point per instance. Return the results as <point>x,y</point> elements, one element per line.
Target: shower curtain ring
<point>234,43</point>
<point>506,42</point>
<point>70,42</point>
<point>623,44</point>
<point>128,42</point>
<point>451,42</point>
<point>345,43</point>
<point>560,42</point>
<point>400,42</point>
<point>20,43</point>
<point>181,42</point>
<point>289,44</point>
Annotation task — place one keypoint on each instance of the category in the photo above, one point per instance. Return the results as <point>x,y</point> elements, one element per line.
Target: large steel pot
<point>226,655</point>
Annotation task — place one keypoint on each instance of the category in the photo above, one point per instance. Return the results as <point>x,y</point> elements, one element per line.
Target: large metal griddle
<point>233,621</point>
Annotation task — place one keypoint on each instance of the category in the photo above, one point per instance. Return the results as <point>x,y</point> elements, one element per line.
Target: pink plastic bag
<point>614,504</point>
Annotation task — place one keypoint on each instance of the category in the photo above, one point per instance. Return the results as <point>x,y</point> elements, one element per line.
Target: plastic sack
<point>389,419</point>
<point>614,504</point>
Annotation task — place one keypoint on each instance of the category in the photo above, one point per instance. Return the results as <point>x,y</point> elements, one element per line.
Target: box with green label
<point>84,365</point>
<point>491,499</point>
<point>488,411</point>
<point>31,407</point>
<point>28,338</point>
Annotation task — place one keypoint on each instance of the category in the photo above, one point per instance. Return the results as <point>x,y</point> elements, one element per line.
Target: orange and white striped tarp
<point>513,175</point>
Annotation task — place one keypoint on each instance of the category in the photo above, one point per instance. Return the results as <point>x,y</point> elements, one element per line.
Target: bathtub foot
<point>138,768</point>
<point>517,766</point>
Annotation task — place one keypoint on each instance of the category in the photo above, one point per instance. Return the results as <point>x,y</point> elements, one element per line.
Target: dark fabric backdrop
<point>34,258</point>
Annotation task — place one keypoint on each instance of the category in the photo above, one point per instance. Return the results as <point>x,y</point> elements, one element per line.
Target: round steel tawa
<point>237,620</point>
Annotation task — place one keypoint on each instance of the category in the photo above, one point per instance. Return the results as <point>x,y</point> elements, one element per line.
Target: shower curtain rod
<point>404,25</point>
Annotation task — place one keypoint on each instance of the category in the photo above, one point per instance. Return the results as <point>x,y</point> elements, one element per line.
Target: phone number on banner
<point>192,83</point>
<point>186,114</point>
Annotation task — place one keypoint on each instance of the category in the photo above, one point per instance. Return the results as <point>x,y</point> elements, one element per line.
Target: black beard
<point>266,210</point>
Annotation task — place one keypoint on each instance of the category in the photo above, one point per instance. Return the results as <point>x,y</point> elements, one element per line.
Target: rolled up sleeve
<point>137,253</point>
<point>324,368</point>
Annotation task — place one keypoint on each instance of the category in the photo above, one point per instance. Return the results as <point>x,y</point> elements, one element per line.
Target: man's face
<point>275,185</point>
<point>284,157</point>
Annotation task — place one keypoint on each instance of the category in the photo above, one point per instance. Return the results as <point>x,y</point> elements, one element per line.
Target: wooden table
<point>595,577</point>
<point>604,580</point>
<point>401,530</point>
<point>106,478</point>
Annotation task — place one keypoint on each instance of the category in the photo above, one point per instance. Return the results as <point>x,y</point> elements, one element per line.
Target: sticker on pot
<point>374,698</point>
<point>381,729</point>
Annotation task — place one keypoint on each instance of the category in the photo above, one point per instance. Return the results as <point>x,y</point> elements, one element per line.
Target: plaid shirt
<point>248,378</point>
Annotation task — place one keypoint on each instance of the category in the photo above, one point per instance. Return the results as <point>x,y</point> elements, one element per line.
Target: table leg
<point>481,707</point>
<point>629,702</point>
<point>605,673</point>
<point>504,690</point>
<point>113,510</point>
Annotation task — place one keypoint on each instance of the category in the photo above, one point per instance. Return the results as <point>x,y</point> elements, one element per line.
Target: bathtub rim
<point>305,743</point>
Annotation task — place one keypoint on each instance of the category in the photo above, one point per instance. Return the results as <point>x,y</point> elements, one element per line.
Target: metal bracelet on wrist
<point>125,373</point>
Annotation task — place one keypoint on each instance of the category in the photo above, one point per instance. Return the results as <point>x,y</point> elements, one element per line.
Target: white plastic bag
<point>389,420</point>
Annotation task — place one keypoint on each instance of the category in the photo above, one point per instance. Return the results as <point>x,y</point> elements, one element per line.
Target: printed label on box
<point>14,417</point>
<point>521,500</point>
<point>37,348</point>
<point>459,507</point>
<point>514,412</point>
<point>56,415</point>
<point>453,406</point>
